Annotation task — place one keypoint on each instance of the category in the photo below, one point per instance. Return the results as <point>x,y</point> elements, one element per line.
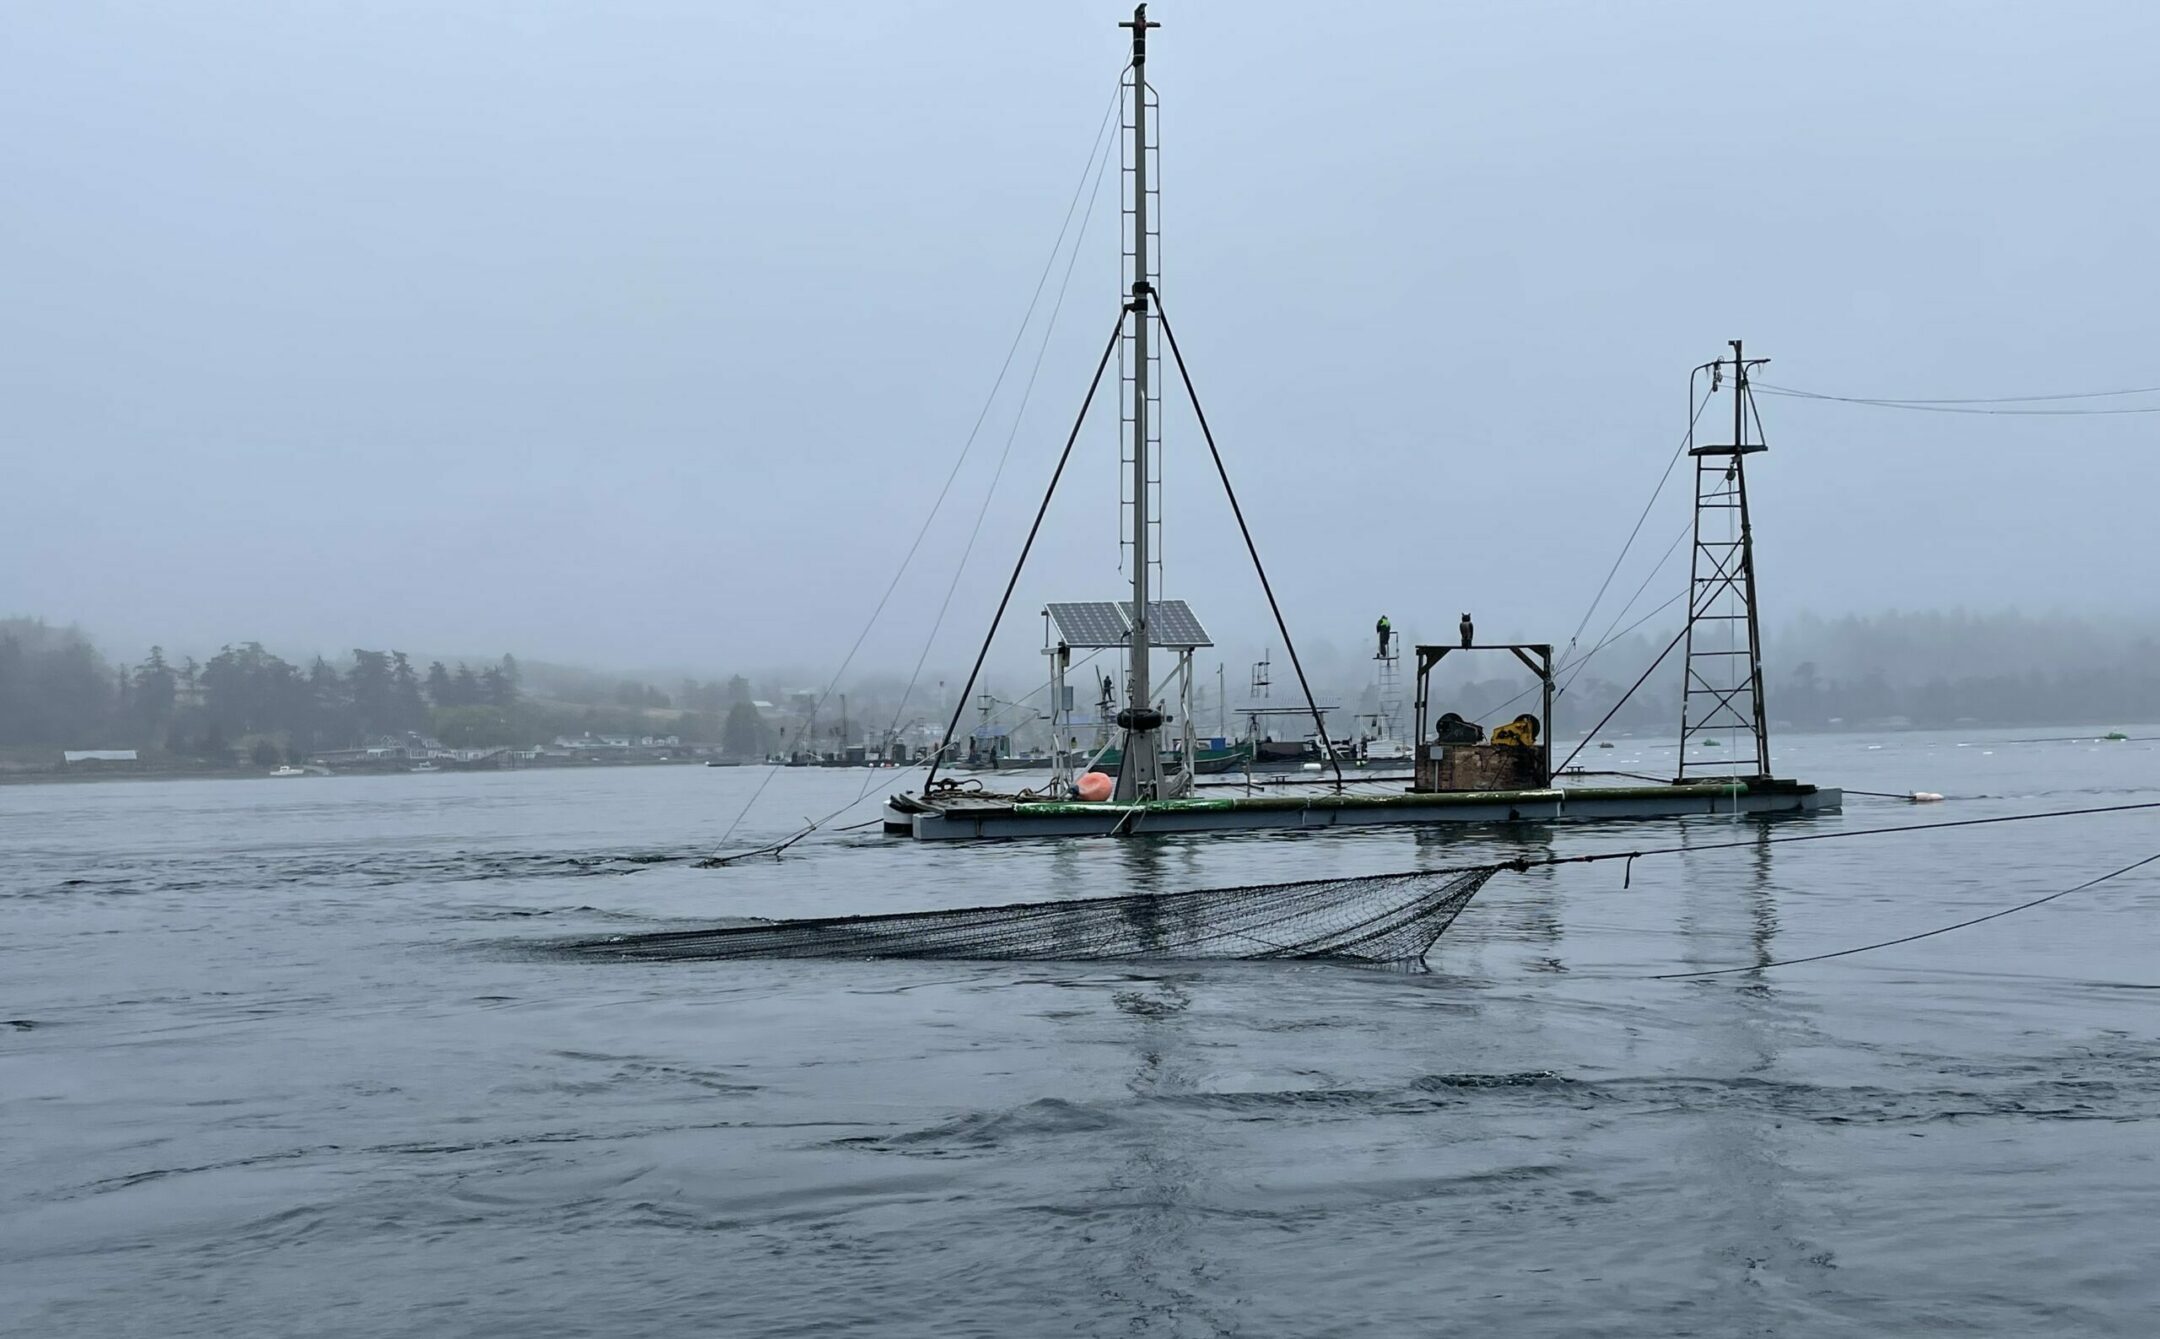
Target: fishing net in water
<point>1388,918</point>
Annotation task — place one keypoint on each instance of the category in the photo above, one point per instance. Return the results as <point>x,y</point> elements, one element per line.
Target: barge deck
<point>985,817</point>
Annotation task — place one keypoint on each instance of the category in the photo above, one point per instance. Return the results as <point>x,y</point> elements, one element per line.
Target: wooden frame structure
<point>1537,657</point>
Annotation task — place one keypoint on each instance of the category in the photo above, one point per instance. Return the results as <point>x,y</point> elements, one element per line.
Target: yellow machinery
<point>1522,730</point>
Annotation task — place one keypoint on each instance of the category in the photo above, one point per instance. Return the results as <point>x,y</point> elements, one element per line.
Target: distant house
<point>97,755</point>
<point>589,744</point>
<point>386,751</point>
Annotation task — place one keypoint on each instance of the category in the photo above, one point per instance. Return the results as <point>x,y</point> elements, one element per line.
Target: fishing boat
<point>1283,754</point>
<point>1210,758</point>
<point>1454,777</point>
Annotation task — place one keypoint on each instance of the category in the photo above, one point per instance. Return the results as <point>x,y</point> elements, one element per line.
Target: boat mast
<point>1140,770</point>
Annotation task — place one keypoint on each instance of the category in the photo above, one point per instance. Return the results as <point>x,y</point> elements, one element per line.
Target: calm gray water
<point>281,1064</point>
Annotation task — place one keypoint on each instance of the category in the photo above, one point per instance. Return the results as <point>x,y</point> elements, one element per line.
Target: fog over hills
<point>590,336</point>
<point>60,690</point>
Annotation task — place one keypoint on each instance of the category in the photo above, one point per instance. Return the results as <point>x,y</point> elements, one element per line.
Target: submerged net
<point>1388,918</point>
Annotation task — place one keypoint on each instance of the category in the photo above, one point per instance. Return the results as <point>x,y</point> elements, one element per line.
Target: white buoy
<point>1925,797</point>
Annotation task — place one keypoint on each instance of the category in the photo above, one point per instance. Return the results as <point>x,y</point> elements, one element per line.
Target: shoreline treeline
<point>1879,671</point>
<point>56,690</point>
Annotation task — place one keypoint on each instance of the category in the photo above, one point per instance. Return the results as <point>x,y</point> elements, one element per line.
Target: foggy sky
<point>644,333</point>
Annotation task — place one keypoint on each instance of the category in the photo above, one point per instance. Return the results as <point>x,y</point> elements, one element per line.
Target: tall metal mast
<point>1140,769</point>
<point>1718,692</point>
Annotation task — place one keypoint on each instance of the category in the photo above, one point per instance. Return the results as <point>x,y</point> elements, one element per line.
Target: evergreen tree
<point>155,688</point>
<point>329,710</point>
<point>53,686</point>
<point>745,735</point>
<point>370,687</point>
<point>247,690</point>
<point>16,703</point>
<point>408,709</point>
<point>497,687</point>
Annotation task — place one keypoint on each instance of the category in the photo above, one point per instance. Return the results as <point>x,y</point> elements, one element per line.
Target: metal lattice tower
<point>1140,771</point>
<point>1721,698</point>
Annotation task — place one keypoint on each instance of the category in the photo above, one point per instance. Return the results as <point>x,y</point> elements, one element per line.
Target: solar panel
<point>1171,623</point>
<point>1090,624</point>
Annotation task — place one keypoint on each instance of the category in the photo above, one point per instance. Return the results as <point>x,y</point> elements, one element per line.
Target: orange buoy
<point>1094,787</point>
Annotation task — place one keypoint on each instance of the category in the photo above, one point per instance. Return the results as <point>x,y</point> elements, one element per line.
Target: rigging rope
<point>1693,611</point>
<point>1840,835</point>
<point>1655,494</point>
<point>968,445</point>
<point>1100,170</point>
<point>1907,939</point>
<point>1983,399</point>
<point>776,848</point>
<point>1952,407</point>
<point>1574,668</point>
<point>1319,725</point>
<point>1117,332</point>
<point>1607,717</point>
